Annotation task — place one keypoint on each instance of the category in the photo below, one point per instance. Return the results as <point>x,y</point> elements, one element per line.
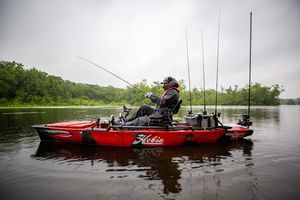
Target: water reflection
<point>161,164</point>
<point>240,170</point>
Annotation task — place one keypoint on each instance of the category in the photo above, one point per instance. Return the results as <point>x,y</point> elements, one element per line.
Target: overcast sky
<point>145,39</point>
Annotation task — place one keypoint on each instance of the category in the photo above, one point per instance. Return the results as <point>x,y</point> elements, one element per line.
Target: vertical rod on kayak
<point>188,66</point>
<point>250,58</point>
<point>203,74</point>
<point>217,74</point>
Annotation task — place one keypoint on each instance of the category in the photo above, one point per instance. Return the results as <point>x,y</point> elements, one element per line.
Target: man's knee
<point>140,121</point>
<point>145,107</point>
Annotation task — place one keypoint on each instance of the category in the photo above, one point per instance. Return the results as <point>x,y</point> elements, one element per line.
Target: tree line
<point>290,101</point>
<point>20,86</point>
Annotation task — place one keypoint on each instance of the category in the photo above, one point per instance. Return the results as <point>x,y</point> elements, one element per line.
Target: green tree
<point>21,86</point>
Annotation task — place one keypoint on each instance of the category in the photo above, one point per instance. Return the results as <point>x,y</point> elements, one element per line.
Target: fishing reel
<point>245,121</point>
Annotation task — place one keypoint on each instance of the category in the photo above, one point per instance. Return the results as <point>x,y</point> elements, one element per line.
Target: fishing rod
<point>188,66</point>
<point>245,120</point>
<point>134,86</point>
<point>250,60</point>
<point>217,74</point>
<point>204,112</point>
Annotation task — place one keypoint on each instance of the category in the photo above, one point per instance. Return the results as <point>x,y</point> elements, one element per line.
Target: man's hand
<point>148,94</point>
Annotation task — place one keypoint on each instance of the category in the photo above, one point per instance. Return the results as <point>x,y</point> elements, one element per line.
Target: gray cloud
<point>140,39</point>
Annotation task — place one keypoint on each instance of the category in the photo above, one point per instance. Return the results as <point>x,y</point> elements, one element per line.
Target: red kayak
<point>176,134</point>
<point>88,132</point>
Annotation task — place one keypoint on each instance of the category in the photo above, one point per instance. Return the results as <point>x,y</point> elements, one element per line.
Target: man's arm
<point>165,101</point>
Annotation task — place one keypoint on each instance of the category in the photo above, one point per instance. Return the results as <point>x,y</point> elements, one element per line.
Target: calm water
<point>264,166</point>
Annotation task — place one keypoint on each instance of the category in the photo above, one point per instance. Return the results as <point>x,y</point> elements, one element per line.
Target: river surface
<point>266,165</point>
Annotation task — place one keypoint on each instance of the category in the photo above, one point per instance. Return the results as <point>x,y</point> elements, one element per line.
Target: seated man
<point>164,104</point>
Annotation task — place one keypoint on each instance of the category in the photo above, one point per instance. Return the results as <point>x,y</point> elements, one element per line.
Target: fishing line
<point>134,86</point>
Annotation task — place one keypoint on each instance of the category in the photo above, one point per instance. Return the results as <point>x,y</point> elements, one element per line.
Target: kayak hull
<point>88,133</point>
<point>237,132</point>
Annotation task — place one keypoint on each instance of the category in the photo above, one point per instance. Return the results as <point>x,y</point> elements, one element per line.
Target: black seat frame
<point>166,119</point>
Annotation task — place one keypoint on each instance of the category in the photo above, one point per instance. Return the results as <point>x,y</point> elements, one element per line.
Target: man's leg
<point>140,121</point>
<point>142,111</point>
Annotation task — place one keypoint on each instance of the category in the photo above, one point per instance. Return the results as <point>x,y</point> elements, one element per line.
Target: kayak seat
<point>166,119</point>
<point>161,121</point>
<point>176,108</point>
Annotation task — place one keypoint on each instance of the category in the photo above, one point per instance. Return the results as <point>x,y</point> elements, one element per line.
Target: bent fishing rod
<point>134,86</point>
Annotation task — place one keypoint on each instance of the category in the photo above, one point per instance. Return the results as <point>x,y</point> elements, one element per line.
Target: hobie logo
<point>147,139</point>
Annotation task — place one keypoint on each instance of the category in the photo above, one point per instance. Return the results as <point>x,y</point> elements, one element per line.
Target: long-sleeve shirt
<point>167,100</point>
